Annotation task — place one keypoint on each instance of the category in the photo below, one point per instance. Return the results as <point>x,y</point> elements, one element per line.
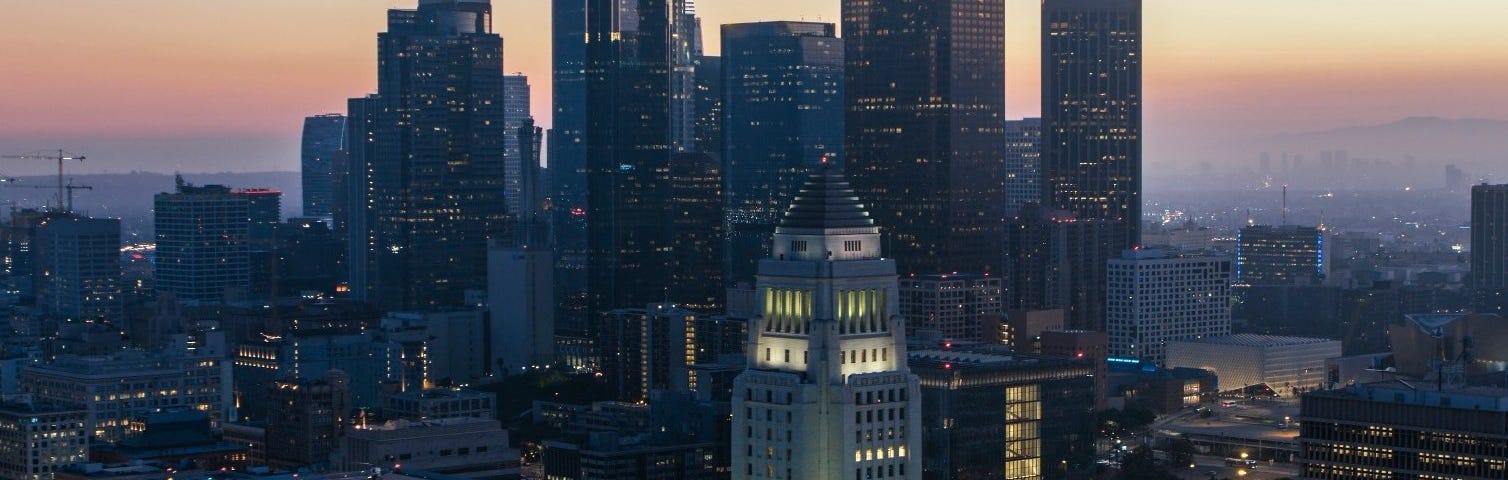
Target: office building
<point>696,200</point>
<point>370,365</point>
<point>1093,347</point>
<point>435,164</point>
<point>38,439</point>
<point>827,392</point>
<point>521,306</point>
<point>629,146</point>
<point>1158,296</point>
<point>101,385</point>
<point>708,129</point>
<point>203,243</point>
<point>515,113</point>
<point>965,307</point>
<point>646,349</point>
<point>1281,255</point>
<point>440,347</point>
<point>79,267</point>
<point>453,445</point>
<point>264,212</point>
<point>925,117</point>
<point>1057,262</point>
<point>1023,164</point>
<point>439,403</point>
<point>324,140</point>
<point>568,162</point>
<point>1489,248</point>
<point>1404,429</point>
<point>306,419</point>
<point>988,413</point>
<point>614,458</point>
<point>783,116</point>
<point>1287,365</point>
<point>1092,113</point>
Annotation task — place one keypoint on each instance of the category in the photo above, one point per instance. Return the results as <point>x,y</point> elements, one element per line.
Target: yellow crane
<point>59,156</point>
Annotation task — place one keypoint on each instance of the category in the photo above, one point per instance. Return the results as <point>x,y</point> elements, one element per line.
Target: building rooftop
<point>1255,340</point>
<point>1425,393</point>
<point>826,201</point>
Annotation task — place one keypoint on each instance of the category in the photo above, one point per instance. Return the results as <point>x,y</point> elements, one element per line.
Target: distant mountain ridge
<point>1425,138</point>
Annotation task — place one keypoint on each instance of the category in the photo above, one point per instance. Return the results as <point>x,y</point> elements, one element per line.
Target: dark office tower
<point>1023,164</point>
<point>79,262</point>
<point>203,252</point>
<point>264,211</point>
<point>783,114</point>
<point>437,169</point>
<point>515,112</point>
<point>1091,112</point>
<point>1058,262</point>
<point>925,117</point>
<point>353,212</point>
<point>568,162</point>
<point>686,47</point>
<point>708,131</point>
<point>696,197</point>
<point>628,138</point>
<point>1280,256</point>
<point>324,140</point>
<point>1489,248</point>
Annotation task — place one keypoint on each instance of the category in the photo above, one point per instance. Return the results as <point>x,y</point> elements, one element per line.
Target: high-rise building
<point>436,165</point>
<point>38,439</point>
<point>1157,296</point>
<point>568,162</point>
<point>306,419</point>
<point>203,243</point>
<point>995,414</point>
<point>521,300</point>
<point>354,216</point>
<point>1280,256</point>
<point>783,117</point>
<point>685,49</point>
<point>647,349</point>
<point>1057,261</point>
<point>515,113</point>
<point>264,211</point>
<point>1382,430</point>
<point>79,267</point>
<point>1023,164</point>
<point>1489,248</point>
<point>697,203</point>
<point>827,393</point>
<point>960,307</point>
<point>629,145</point>
<point>1092,112</point>
<point>324,140</point>
<point>925,92</point>
<point>708,130</point>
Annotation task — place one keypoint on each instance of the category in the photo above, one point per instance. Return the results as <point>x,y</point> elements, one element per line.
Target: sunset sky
<point>197,85</point>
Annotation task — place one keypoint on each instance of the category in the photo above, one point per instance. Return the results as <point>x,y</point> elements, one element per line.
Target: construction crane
<point>59,156</point>
<point>70,187</point>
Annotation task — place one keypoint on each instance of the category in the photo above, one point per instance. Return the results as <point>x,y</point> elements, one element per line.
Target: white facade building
<point>1156,296</point>
<point>521,298</point>
<point>1287,365</point>
<point>827,394</point>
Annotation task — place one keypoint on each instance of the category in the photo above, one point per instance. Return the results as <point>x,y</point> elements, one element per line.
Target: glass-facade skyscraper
<point>323,140</point>
<point>568,161</point>
<point>1023,164</point>
<point>436,167</point>
<point>925,116</point>
<point>628,146</point>
<point>515,114</point>
<point>782,116</point>
<point>1489,248</point>
<point>1091,112</point>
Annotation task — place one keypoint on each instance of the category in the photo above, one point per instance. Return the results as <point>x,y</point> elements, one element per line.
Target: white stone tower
<point>827,394</point>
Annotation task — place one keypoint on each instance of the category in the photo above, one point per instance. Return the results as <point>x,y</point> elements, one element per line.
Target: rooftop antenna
<point>1285,204</point>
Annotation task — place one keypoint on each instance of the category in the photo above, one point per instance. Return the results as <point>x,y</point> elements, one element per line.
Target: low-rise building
<point>120,388</point>
<point>39,439</point>
<point>460,444</point>
<point>1287,365</point>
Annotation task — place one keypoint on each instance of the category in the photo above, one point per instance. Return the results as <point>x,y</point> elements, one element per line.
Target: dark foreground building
<point>1405,430</point>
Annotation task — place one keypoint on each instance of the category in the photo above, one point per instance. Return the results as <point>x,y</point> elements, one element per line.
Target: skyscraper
<point>79,262</point>
<point>515,113</point>
<point>353,209</point>
<point>1057,261</point>
<point>1091,112</point>
<point>1023,164</point>
<point>783,115</point>
<point>437,170</point>
<point>568,161</point>
<point>1489,248</point>
<point>925,116</point>
<point>324,140</point>
<point>629,145</point>
<point>827,392</point>
<point>203,247</point>
<point>696,184</point>
<point>960,307</point>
